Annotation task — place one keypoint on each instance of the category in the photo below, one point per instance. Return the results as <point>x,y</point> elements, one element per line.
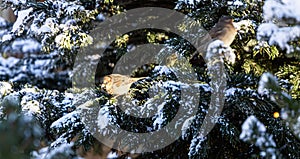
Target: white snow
<point>44,29</point>
<point>2,33</point>
<point>26,46</point>
<point>8,62</point>
<point>212,48</point>
<point>187,2</point>
<point>264,81</point>
<point>21,16</point>
<point>162,69</point>
<point>186,125</point>
<point>173,85</point>
<point>18,77</point>
<point>282,23</point>
<point>266,30</point>
<point>284,115</point>
<point>5,88</point>
<point>159,117</point>
<point>196,144</point>
<point>112,155</point>
<point>190,2</point>
<point>2,22</point>
<point>31,106</point>
<point>238,3</point>
<point>217,49</point>
<point>40,153</point>
<point>231,91</point>
<point>296,127</point>
<point>159,120</point>
<point>254,131</point>
<point>284,9</point>
<point>101,17</point>
<point>50,21</point>
<point>72,9</point>
<point>243,26</point>
<point>65,148</point>
<point>6,37</point>
<point>278,35</point>
<point>247,127</point>
<point>103,118</point>
<point>18,2</point>
<point>65,119</point>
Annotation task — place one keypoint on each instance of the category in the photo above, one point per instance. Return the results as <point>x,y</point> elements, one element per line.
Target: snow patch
<point>26,46</point>
<point>21,16</point>
<point>103,118</point>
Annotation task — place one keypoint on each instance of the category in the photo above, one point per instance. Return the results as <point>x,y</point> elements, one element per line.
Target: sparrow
<point>8,14</point>
<point>224,30</point>
<point>117,84</point>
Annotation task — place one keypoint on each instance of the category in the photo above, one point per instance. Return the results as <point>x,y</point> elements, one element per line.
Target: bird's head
<point>226,19</point>
<point>106,82</point>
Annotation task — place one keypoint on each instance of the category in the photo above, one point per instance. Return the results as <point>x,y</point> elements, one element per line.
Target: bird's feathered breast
<point>224,30</point>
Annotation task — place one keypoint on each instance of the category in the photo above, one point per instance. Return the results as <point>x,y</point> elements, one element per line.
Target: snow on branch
<point>282,9</point>
<point>282,24</point>
<point>254,131</point>
<point>217,49</point>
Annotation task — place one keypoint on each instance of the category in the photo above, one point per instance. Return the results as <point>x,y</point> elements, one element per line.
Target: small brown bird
<point>8,14</point>
<point>117,84</point>
<point>224,30</point>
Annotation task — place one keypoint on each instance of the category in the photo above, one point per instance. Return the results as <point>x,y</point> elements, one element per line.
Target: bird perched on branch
<point>117,84</point>
<point>224,30</point>
<point>7,14</point>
